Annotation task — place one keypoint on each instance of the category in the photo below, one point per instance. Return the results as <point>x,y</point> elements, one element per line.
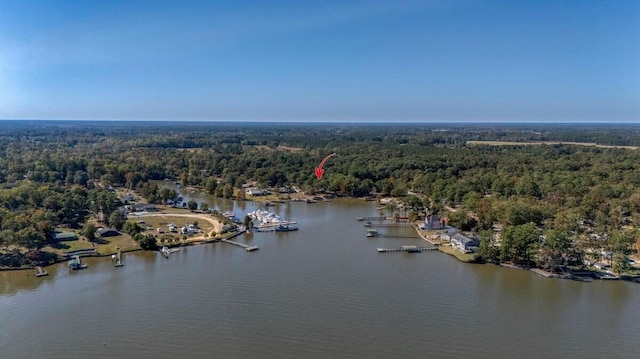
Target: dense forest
<point>547,205</point>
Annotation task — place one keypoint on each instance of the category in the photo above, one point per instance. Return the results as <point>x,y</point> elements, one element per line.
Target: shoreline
<point>587,275</point>
<point>193,242</point>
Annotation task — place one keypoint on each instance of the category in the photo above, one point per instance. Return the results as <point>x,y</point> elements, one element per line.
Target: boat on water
<point>40,272</point>
<point>267,219</point>
<point>286,228</point>
<point>359,218</point>
<point>165,252</point>
<point>372,233</point>
<point>76,263</point>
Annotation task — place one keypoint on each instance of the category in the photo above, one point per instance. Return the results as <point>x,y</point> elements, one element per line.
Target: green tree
<point>117,220</point>
<point>204,206</point>
<point>131,228</point>
<point>518,243</point>
<point>145,241</point>
<point>210,185</point>
<point>192,205</point>
<point>89,231</point>
<point>486,249</point>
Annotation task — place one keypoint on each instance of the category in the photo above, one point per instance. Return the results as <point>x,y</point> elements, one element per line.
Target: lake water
<point>321,292</point>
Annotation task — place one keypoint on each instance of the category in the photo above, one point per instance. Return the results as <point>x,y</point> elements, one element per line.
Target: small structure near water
<point>76,263</point>
<point>40,272</point>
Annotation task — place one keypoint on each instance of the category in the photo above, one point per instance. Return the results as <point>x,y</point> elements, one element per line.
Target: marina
<point>265,221</point>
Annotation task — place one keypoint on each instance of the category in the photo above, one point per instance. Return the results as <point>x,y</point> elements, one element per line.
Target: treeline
<point>49,174</point>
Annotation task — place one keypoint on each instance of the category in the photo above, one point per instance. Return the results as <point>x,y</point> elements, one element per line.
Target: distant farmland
<point>508,143</point>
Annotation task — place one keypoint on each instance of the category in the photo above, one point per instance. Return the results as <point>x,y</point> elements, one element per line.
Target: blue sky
<point>403,60</point>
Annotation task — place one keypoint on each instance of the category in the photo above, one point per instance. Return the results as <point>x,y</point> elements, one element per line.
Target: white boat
<point>286,228</point>
<point>266,218</point>
<point>165,252</point>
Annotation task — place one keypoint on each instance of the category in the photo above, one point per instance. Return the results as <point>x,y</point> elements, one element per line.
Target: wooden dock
<point>410,249</point>
<point>371,233</point>
<point>246,247</point>
<point>378,218</point>
<point>40,272</point>
<point>387,225</point>
<point>117,259</point>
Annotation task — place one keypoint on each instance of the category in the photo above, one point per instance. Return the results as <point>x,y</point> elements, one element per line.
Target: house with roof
<point>107,232</point>
<point>61,236</point>
<point>465,244</point>
<point>144,207</point>
<point>431,223</point>
<point>255,192</point>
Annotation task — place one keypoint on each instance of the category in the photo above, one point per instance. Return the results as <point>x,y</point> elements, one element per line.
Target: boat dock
<point>40,272</point>
<point>386,225</point>
<point>117,258</point>
<point>374,233</point>
<point>377,218</point>
<point>246,247</point>
<point>76,263</point>
<point>410,249</point>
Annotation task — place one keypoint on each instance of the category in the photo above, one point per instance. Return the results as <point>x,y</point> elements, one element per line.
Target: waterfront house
<point>255,192</point>
<point>431,223</point>
<point>465,244</point>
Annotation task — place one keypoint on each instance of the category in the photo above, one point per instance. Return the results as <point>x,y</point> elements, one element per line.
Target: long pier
<point>372,233</point>
<point>385,225</point>
<point>411,249</point>
<point>246,247</point>
<point>378,218</point>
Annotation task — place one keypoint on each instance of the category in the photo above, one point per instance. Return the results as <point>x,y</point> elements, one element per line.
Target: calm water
<point>321,292</point>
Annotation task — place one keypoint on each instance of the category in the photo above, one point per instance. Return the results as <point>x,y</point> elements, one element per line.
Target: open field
<point>104,246</point>
<point>507,143</point>
<point>279,148</point>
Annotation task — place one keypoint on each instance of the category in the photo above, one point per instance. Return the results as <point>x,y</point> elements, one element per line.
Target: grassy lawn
<point>104,246</point>
<point>465,257</point>
<point>165,220</point>
<point>433,236</point>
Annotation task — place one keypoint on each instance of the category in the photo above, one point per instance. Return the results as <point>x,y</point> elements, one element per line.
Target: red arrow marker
<point>319,169</point>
